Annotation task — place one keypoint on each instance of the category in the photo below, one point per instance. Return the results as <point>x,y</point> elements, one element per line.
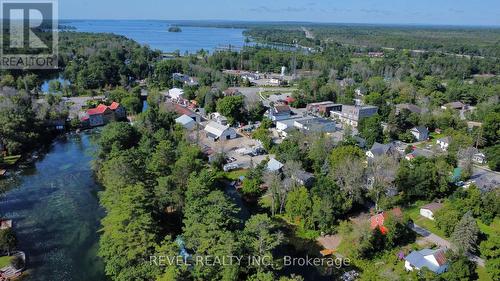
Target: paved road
<point>443,243</point>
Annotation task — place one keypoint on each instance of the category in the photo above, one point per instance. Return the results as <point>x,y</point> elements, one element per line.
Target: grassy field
<point>489,229</point>
<point>482,274</point>
<point>5,261</point>
<point>236,174</point>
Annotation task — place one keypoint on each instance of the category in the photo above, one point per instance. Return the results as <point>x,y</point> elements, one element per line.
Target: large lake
<point>156,35</point>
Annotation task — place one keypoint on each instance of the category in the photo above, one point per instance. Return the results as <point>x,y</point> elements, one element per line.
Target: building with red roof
<point>103,114</point>
<point>377,221</point>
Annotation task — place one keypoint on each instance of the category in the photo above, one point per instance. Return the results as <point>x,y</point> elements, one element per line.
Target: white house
<point>429,210</point>
<point>216,131</point>
<point>187,122</point>
<point>420,133</point>
<point>175,93</point>
<point>219,118</point>
<point>444,143</point>
<point>434,260</point>
<point>274,165</point>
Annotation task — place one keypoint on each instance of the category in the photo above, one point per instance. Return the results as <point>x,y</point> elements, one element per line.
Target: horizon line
<point>297,22</point>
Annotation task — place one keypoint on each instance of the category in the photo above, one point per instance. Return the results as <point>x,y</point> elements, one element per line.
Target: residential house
<point>216,131</point>
<point>280,112</point>
<point>479,158</point>
<point>352,115</point>
<point>316,125</point>
<point>219,118</point>
<point>379,150</point>
<point>187,122</point>
<point>119,110</point>
<point>444,143</point>
<point>182,110</point>
<point>186,79</point>
<point>434,260</point>
<point>429,210</point>
<point>175,94</point>
<point>420,133</point>
<point>103,114</point>
<point>377,221</point>
<point>274,165</point>
<point>487,182</point>
<point>408,106</point>
<point>304,178</point>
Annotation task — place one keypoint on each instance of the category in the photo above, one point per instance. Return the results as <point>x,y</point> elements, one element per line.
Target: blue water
<point>156,35</point>
<point>54,207</point>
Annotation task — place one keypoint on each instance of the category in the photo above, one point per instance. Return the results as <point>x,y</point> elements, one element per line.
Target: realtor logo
<point>29,34</point>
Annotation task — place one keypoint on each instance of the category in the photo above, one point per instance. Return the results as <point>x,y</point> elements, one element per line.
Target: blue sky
<point>443,12</point>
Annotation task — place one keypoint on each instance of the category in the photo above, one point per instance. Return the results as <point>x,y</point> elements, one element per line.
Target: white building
<point>175,93</point>
<point>274,165</point>
<point>219,118</point>
<point>429,210</point>
<point>434,260</point>
<point>444,143</point>
<point>216,131</point>
<point>420,133</point>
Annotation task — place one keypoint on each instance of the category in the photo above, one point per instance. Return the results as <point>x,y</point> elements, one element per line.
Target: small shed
<point>429,210</point>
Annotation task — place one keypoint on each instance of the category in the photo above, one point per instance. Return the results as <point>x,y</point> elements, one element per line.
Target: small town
<point>158,143</point>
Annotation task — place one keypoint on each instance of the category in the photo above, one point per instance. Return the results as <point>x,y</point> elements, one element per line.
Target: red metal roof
<point>100,109</point>
<point>114,106</point>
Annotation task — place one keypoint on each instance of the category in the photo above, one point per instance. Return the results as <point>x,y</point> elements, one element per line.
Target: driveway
<point>433,238</point>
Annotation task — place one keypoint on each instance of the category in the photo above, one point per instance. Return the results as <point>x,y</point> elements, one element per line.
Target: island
<point>174,29</point>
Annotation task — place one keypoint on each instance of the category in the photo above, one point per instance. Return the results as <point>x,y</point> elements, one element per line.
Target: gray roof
<point>274,165</point>
<point>411,107</point>
<point>421,130</point>
<point>379,149</point>
<point>433,206</point>
<point>487,182</point>
<point>417,259</point>
<point>184,120</point>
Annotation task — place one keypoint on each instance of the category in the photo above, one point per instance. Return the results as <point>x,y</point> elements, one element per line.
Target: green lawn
<point>489,229</point>
<point>414,214</point>
<point>482,274</point>
<point>236,174</point>
<point>5,261</point>
<point>435,136</point>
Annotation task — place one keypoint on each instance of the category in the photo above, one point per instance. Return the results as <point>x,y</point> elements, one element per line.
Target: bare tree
<point>276,191</point>
<point>465,156</point>
<point>381,172</point>
<point>350,176</point>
